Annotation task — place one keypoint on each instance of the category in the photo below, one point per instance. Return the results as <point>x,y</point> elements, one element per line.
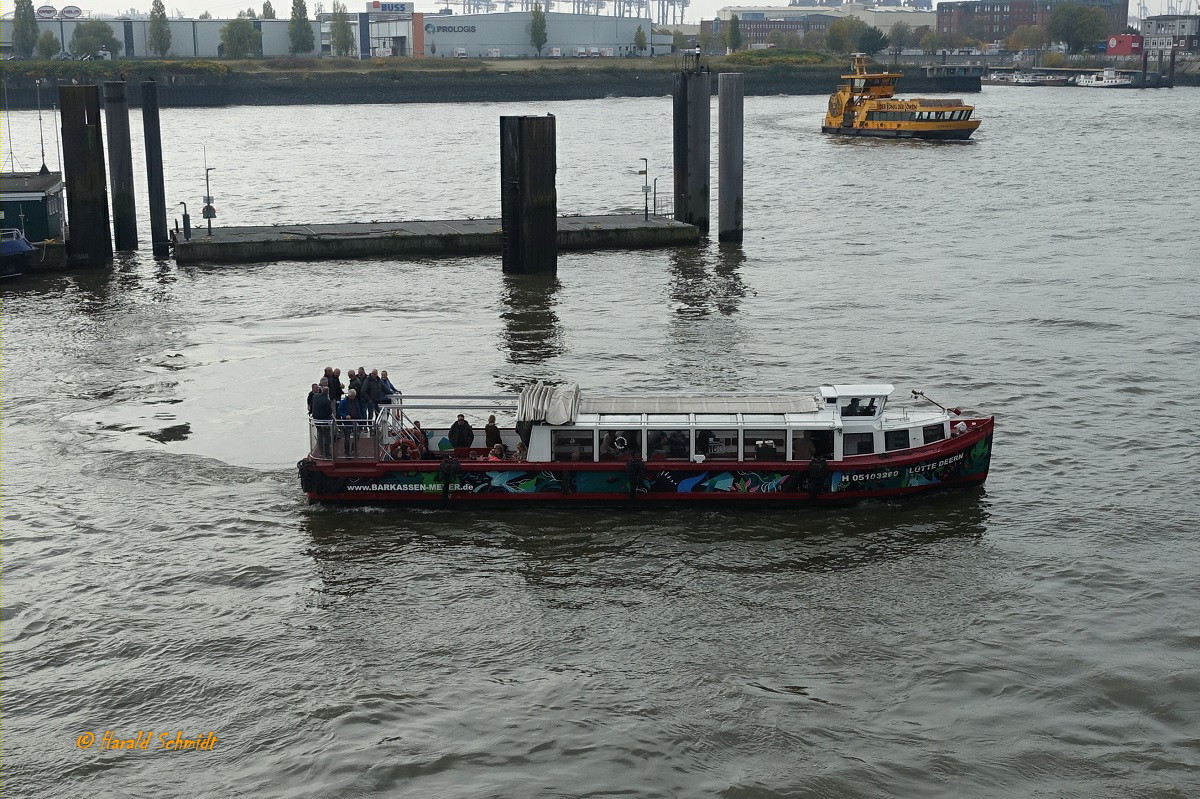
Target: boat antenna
<point>57,143</point>
<point>12,159</point>
<point>41,132</point>
<point>921,395</point>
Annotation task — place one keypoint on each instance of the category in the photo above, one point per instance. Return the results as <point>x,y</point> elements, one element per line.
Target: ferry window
<point>764,445</point>
<point>858,444</point>
<point>895,439</point>
<point>804,447</point>
<point>572,445</point>
<point>717,444</point>
<point>671,445</point>
<point>859,406</point>
<point>933,432</point>
<point>966,115</point>
<point>620,445</point>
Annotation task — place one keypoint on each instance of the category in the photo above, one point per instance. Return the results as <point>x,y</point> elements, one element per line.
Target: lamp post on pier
<point>645,173</point>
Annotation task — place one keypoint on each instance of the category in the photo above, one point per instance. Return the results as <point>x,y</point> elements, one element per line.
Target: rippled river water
<point>163,572</point>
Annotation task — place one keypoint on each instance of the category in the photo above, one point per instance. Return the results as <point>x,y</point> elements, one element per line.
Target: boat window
<point>667,419</point>
<point>764,419</point>
<point>717,444</point>
<point>803,445</point>
<point>620,445</point>
<point>860,406</point>
<point>572,445</point>
<point>620,418</point>
<point>858,444</point>
<point>966,114</point>
<point>764,445</point>
<point>716,419</point>
<point>671,445</point>
<point>895,439</point>
<point>933,432</point>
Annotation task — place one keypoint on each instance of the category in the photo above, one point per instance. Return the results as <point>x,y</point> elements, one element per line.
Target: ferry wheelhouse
<point>841,444</point>
<point>866,105</point>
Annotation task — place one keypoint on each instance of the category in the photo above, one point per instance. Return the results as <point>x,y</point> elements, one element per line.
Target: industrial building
<point>190,38</point>
<point>881,16</point>
<point>1184,29</point>
<point>506,35</point>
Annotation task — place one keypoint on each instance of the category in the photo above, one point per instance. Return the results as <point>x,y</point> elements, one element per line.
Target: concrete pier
<point>528,198</point>
<point>83,172</point>
<point>730,91</point>
<point>692,121</point>
<point>421,239</point>
<point>120,165</point>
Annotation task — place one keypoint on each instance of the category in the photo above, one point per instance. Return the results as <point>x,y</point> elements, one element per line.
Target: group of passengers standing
<point>355,401</point>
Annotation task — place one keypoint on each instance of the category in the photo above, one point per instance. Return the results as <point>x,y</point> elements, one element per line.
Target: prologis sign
<point>431,28</point>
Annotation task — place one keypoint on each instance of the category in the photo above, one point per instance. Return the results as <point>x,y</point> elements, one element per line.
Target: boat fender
<point>635,470</point>
<point>448,473</point>
<point>818,477</point>
<point>309,478</point>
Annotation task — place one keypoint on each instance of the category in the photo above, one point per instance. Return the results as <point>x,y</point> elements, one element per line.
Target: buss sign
<point>389,8</point>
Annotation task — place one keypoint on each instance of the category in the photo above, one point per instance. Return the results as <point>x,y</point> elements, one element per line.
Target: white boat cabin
<point>839,421</point>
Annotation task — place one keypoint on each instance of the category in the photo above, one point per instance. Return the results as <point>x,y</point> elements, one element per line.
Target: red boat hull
<point>959,461</point>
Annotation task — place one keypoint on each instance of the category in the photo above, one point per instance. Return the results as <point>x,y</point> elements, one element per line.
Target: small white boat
<point>1108,79</point>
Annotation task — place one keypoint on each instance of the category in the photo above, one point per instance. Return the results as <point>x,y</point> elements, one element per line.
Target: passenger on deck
<point>373,391</point>
<point>521,453</point>
<point>316,389</point>
<point>418,436</point>
<point>348,412</point>
<point>461,433</point>
<point>352,381</point>
<point>496,453</point>
<point>388,388</point>
<point>491,433</point>
<point>322,414</point>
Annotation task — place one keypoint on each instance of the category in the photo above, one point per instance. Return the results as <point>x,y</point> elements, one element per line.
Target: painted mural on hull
<point>929,473</point>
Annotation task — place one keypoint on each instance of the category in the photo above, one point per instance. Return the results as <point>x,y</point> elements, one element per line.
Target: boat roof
<point>859,390</point>
<point>677,405</point>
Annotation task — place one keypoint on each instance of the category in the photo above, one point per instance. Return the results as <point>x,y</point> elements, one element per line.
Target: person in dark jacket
<point>316,389</point>
<point>491,434</point>
<point>373,388</point>
<point>461,433</point>
<point>348,415</point>
<point>322,414</point>
<point>335,386</point>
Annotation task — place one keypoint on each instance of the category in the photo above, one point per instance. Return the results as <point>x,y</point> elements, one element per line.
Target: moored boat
<point>15,252</point>
<point>866,105</point>
<point>1108,79</point>
<point>841,444</point>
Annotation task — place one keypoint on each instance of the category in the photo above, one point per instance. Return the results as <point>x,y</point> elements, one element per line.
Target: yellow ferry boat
<point>866,105</point>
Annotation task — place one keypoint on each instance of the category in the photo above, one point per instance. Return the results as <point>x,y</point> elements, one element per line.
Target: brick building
<point>995,21</point>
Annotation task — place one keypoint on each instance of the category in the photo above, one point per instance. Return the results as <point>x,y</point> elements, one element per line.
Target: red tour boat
<point>841,444</point>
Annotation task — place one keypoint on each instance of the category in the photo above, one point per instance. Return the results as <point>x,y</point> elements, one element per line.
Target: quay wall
<point>435,86</point>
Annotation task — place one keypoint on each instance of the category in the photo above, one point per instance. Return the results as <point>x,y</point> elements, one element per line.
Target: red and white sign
<point>47,12</point>
<point>71,12</point>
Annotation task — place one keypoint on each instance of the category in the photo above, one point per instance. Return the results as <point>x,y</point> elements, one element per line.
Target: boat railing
<point>347,439</point>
